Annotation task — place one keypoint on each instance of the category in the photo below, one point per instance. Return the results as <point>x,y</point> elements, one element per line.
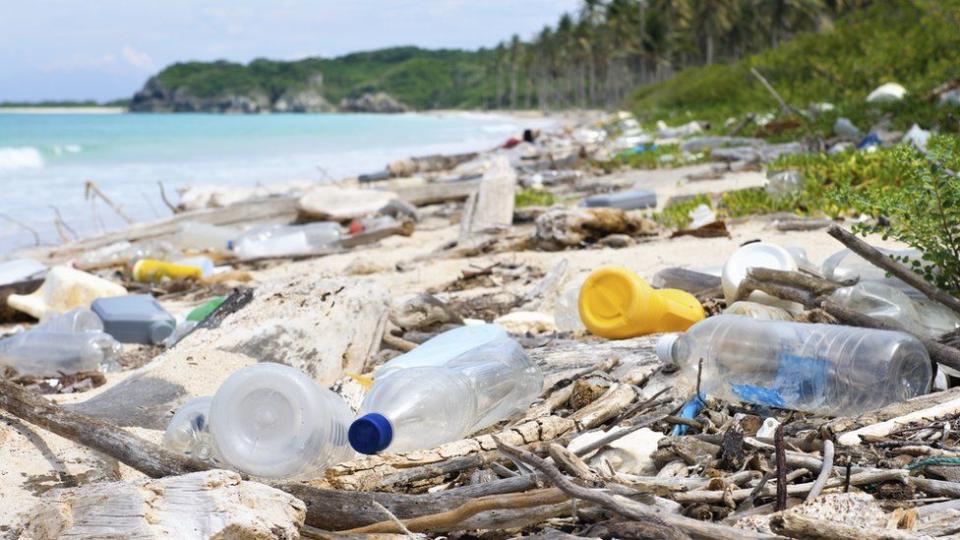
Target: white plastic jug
<point>64,289</point>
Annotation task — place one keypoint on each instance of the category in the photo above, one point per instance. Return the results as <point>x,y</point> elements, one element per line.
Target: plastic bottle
<point>206,237</point>
<point>42,353</point>
<point>441,348</point>
<point>283,240</point>
<point>759,311</point>
<point>64,289</point>
<point>616,303</point>
<point>205,265</point>
<point>137,318</point>
<point>75,320</point>
<point>273,421</point>
<point>423,407</point>
<point>188,432</point>
<point>152,271</point>
<point>566,313</point>
<point>846,265</point>
<point>757,255</point>
<point>882,301</point>
<point>204,310</point>
<point>827,369</point>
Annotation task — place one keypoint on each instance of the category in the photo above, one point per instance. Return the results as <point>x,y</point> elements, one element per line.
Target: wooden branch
<point>825,471</point>
<point>31,230</point>
<point>146,457</point>
<point>90,189</point>
<point>571,463</point>
<point>935,488</point>
<point>795,525</point>
<point>605,407</point>
<point>783,104</point>
<point>895,268</point>
<point>798,280</point>
<point>627,507</point>
<point>447,521</point>
<point>940,353</point>
<point>791,294</point>
<point>793,490</point>
<point>163,197</point>
<point>781,460</point>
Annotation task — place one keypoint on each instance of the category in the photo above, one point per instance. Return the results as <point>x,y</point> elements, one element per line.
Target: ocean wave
<point>61,149</point>
<point>20,157</point>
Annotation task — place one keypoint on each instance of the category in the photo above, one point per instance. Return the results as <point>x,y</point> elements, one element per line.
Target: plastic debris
<point>625,200</point>
<point>886,93</point>
<point>64,289</point>
<point>757,254</point>
<point>64,345</point>
<point>700,216</point>
<point>137,318</point>
<point>827,369</point>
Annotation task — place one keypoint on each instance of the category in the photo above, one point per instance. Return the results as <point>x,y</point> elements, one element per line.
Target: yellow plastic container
<point>616,303</point>
<point>151,270</point>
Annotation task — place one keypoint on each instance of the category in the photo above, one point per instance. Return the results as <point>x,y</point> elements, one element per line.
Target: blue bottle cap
<point>370,433</point>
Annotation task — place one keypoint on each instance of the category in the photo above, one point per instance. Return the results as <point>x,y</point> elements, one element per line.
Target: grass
<point>534,197</point>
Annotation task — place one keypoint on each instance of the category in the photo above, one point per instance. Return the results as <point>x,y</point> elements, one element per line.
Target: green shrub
<point>921,209</point>
<point>534,197</point>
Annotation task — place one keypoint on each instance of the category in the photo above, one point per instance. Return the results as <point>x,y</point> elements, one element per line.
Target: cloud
<point>137,59</point>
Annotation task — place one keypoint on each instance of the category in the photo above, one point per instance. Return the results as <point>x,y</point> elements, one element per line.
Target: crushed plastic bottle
<point>63,289</point>
<point>700,216</point>
<point>887,303</point>
<point>63,345</point>
<point>438,350</point>
<point>274,421</point>
<point>826,369</point>
<point>783,183</point>
<point>424,407</point>
<point>284,240</point>
<point>845,265</point>
<point>124,252</point>
<point>755,310</point>
<point>188,432</point>
<point>616,303</point>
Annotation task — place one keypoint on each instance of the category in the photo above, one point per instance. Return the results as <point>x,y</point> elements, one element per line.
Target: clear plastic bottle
<point>566,313</point>
<point>206,237</point>
<point>885,302</point>
<point>282,240</point>
<point>845,265</point>
<point>439,349</point>
<point>827,369</point>
<point>42,353</point>
<point>273,421</point>
<point>75,320</point>
<point>188,432</point>
<point>423,407</point>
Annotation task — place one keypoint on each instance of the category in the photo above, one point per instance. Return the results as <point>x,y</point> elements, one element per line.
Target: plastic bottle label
<point>799,380</point>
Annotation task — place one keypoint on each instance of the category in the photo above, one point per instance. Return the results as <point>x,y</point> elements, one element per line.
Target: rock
<point>524,322</point>
<point>887,93</point>
<point>617,241</point>
<point>155,96</point>
<point>342,204</point>
<point>686,130</point>
<point>305,101</point>
<point>209,504</point>
<point>380,102</point>
<point>560,228</point>
<point>857,509</point>
<point>322,327</point>
<point>423,312</point>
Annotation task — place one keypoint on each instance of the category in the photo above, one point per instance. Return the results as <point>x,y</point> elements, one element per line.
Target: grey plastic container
<point>137,318</point>
<point>633,199</point>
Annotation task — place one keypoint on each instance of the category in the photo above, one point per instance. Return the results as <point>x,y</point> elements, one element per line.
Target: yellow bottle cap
<point>607,301</point>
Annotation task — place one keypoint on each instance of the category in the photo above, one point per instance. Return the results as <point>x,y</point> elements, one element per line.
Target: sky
<point>106,49</point>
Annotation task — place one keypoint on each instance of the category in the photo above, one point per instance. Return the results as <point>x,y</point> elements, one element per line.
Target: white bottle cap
<point>665,347</point>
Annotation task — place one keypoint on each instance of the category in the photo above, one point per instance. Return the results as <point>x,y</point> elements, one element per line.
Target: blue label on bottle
<point>800,381</point>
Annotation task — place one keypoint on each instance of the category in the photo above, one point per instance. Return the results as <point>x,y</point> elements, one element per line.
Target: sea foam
<point>21,157</point>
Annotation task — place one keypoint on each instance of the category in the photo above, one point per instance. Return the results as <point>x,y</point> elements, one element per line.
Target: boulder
<point>208,504</point>
<point>561,228</point>
<point>342,204</point>
<point>380,102</point>
<point>304,101</point>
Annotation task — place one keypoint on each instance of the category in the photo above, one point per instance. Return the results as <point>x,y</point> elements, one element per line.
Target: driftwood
<point>895,268</point>
<point>491,210</point>
<point>798,526</point>
<point>437,192</point>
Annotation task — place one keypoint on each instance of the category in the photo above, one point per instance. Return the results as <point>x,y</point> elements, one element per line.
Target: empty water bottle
<point>566,313</point>
<point>206,237</point>
<point>423,407</point>
<point>63,345</point>
<point>284,240</point>
<point>846,265</point>
<point>827,369</point>
<point>274,421</point>
<point>438,350</point>
<point>882,301</point>
<point>188,432</point>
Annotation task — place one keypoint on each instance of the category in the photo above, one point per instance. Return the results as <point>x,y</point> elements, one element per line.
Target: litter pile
<point>521,385</point>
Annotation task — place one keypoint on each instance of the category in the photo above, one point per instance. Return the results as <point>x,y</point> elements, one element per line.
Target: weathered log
<point>798,526</point>
<point>897,269</point>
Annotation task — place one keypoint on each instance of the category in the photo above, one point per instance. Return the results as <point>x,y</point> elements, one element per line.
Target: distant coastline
<point>60,110</point>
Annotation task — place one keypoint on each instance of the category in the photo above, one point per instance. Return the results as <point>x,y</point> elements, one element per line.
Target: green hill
<point>418,78</point>
<point>915,43</point>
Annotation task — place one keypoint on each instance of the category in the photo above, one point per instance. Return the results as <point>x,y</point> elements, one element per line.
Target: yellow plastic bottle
<point>616,303</point>
<point>151,270</point>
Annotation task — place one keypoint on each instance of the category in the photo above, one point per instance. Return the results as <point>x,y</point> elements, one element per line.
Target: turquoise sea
<point>46,158</point>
